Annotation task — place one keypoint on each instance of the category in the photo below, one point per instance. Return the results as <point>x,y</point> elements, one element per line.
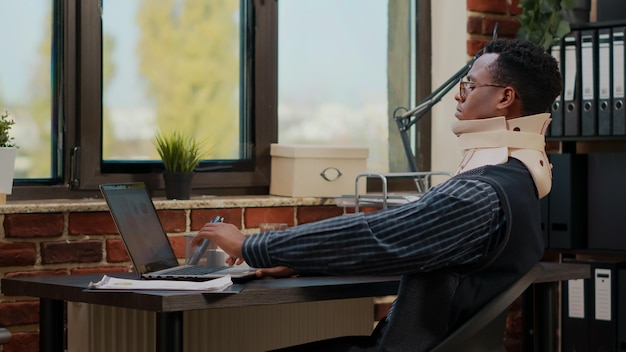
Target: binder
<point>571,83</point>
<point>619,110</point>
<point>568,201</point>
<point>607,306</point>
<point>575,315</point>
<point>605,81</point>
<point>606,201</point>
<point>588,75</point>
<point>621,307</point>
<point>603,322</point>
<point>556,126</point>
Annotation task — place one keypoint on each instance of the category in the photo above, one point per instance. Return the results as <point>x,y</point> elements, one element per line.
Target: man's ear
<point>507,98</point>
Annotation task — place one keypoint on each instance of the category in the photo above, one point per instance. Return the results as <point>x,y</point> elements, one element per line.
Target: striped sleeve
<point>450,225</point>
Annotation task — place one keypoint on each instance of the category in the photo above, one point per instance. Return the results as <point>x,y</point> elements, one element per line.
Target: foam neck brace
<point>493,140</point>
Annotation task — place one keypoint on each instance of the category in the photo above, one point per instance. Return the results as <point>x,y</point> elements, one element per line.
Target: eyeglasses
<point>463,86</point>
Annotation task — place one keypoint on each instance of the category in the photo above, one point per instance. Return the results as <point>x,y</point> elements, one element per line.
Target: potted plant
<point>545,22</point>
<point>8,152</point>
<point>180,154</point>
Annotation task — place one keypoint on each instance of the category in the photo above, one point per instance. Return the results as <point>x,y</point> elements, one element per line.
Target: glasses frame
<point>463,89</point>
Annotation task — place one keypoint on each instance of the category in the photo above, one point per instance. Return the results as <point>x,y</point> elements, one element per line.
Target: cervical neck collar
<point>492,141</point>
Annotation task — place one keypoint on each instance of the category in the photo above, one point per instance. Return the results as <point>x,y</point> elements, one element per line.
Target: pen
<point>197,254</point>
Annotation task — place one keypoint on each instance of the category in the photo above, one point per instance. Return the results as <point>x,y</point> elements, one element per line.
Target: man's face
<point>480,100</point>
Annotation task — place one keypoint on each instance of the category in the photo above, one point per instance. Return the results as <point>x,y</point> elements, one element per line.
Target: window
<point>183,74</point>
<point>102,76</point>
<point>25,80</point>
<point>332,75</point>
<point>98,114</point>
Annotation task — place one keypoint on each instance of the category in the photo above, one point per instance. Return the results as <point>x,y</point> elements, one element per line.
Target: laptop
<point>147,243</point>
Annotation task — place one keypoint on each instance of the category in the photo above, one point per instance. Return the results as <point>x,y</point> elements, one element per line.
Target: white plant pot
<point>7,167</point>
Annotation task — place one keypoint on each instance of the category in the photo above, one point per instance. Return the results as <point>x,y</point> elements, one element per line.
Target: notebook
<point>146,241</point>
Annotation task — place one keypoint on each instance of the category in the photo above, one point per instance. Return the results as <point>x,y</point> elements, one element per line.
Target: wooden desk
<point>53,291</point>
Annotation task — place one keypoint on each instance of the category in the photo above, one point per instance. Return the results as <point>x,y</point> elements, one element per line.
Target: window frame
<point>79,111</point>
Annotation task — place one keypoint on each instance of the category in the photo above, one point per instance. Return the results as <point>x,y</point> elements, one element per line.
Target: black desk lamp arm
<point>408,119</point>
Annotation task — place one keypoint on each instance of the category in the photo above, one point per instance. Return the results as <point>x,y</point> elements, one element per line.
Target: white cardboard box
<point>316,170</point>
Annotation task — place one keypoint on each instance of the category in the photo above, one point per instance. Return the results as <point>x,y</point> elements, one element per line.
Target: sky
<point>25,20</point>
<point>332,26</point>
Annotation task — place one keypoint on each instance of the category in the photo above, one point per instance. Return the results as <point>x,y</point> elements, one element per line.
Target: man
<point>480,230</point>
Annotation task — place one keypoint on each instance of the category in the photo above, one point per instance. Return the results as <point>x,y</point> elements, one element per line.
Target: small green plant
<point>179,153</point>
<point>542,21</point>
<point>5,127</point>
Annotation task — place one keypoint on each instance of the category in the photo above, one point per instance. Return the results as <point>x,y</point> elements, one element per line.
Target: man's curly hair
<point>525,66</point>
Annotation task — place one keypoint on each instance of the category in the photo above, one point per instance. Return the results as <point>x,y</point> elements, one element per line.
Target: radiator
<point>98,328</point>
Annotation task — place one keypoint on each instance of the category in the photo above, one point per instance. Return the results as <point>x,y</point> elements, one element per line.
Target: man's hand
<point>277,272</point>
<point>226,236</point>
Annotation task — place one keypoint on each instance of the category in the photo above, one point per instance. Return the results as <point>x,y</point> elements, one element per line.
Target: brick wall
<point>482,18</point>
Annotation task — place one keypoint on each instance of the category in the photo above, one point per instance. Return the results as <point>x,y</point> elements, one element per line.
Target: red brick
<point>489,6</point>
<point>199,217</point>
<point>94,223</point>
<point>23,342</point>
<point>71,252</point>
<point>475,25</point>
<point>178,244</point>
<point>312,214</point>
<point>116,251</point>
<point>19,313</point>
<point>350,210</point>
<point>36,273</point>
<point>506,28</point>
<point>513,8</point>
<point>474,45</point>
<point>255,216</point>
<point>17,254</point>
<point>173,220</point>
<point>33,225</point>
<point>101,270</point>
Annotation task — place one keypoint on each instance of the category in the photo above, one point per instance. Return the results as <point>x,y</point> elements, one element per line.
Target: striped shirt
<point>452,224</point>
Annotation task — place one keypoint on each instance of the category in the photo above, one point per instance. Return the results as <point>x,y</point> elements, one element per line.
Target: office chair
<point>5,336</point>
<point>425,328</point>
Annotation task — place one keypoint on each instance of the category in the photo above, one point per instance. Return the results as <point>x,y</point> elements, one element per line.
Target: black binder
<point>605,83</point>
<point>571,83</point>
<point>619,110</point>
<point>568,201</point>
<point>588,69</point>
<point>621,308</point>
<point>603,304</point>
<point>575,314</point>
<point>606,201</point>
<point>556,126</point>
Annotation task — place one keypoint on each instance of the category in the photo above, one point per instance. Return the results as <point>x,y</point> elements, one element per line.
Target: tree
<point>189,56</point>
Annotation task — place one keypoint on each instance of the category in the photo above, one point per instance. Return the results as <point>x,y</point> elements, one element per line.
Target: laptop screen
<point>139,225</point>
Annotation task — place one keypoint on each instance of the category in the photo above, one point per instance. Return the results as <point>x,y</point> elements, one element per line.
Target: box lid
<point>318,151</point>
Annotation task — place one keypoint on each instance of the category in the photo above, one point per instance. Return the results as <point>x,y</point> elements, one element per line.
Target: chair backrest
<point>5,336</point>
<point>484,331</point>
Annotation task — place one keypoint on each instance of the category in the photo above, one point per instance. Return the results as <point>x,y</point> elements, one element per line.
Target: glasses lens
<point>462,89</point>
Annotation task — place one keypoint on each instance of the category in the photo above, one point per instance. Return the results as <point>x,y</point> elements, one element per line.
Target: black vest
<point>431,305</point>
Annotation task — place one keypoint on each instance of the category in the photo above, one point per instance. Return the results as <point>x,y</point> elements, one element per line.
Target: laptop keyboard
<point>197,270</point>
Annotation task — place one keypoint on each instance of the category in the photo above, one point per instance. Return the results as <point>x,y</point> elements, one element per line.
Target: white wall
<point>449,31</point>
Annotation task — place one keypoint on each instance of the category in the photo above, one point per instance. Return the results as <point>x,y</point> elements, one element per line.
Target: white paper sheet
<point>112,283</point>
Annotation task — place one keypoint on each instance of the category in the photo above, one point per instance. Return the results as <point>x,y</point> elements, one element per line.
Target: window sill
<point>201,202</point>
